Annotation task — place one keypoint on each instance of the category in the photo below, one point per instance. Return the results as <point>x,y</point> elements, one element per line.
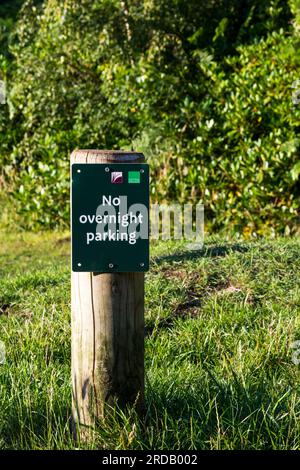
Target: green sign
<point>110,217</point>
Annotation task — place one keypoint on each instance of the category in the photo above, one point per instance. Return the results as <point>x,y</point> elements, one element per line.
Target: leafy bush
<point>242,141</point>
<point>203,87</point>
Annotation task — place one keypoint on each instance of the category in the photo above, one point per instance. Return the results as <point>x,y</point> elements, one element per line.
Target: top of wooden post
<point>106,156</point>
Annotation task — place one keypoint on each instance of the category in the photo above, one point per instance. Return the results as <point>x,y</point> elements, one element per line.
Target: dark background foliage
<point>203,88</point>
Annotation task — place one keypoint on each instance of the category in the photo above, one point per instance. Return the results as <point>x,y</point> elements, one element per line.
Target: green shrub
<point>204,89</point>
<point>242,141</point>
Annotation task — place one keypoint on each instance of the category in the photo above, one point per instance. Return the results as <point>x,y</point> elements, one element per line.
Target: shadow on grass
<point>169,321</point>
<point>206,252</point>
<point>189,308</point>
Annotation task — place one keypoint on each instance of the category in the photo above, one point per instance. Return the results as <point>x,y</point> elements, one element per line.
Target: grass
<point>219,329</point>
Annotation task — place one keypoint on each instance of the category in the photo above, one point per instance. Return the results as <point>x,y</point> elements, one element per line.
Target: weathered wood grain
<point>107,330</point>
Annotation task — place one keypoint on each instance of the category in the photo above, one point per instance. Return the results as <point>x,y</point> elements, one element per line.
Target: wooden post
<point>107,330</point>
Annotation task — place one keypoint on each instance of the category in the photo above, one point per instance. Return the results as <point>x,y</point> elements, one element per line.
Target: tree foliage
<point>203,87</point>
